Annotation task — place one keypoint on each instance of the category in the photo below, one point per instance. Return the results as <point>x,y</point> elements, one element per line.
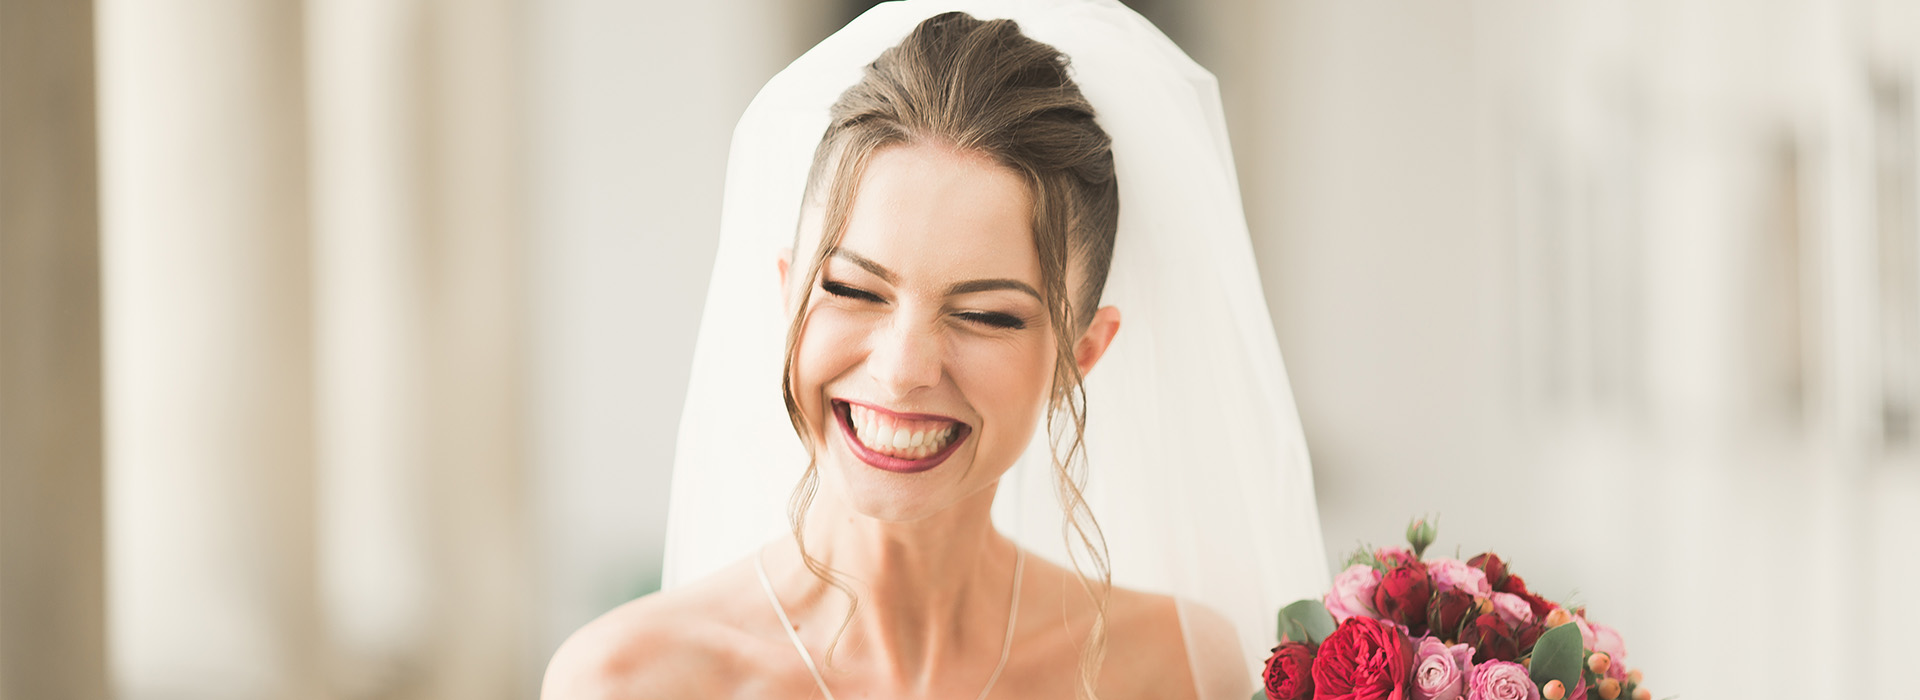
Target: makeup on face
<point>926,324</point>
<point>898,442</point>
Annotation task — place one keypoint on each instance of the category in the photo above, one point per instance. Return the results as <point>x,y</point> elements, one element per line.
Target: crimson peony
<point>1289,672</point>
<point>1364,659</point>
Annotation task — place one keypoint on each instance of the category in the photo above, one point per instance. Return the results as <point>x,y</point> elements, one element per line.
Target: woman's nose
<point>905,356</point>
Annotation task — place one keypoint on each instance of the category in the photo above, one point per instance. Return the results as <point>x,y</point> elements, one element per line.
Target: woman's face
<point>926,364</point>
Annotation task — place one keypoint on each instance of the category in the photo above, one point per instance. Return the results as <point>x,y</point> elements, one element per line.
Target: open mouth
<point>898,442</point>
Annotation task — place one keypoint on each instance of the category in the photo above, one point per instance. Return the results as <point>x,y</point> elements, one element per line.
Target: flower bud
<point>1609,689</point>
<point>1419,534</point>
<point>1642,694</point>
<point>1634,676</point>
<point>1558,617</point>
<point>1599,662</point>
<point>1554,690</point>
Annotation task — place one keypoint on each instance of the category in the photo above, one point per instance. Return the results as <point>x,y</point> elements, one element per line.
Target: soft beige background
<point>355,372</point>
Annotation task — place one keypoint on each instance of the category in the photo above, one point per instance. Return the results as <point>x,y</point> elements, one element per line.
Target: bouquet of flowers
<point>1400,627</point>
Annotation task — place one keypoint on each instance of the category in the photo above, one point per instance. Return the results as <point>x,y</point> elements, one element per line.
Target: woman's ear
<point>785,263</point>
<point>1095,340</point>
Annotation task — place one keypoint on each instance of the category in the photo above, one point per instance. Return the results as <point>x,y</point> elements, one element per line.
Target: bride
<point>979,511</point>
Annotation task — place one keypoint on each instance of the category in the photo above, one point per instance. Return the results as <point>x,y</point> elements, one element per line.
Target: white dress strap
<point>787,625</point>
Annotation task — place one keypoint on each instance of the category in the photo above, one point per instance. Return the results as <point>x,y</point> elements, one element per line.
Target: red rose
<point>1290,672</point>
<point>1449,612</point>
<point>1518,586</point>
<point>1540,605</point>
<point>1403,595</point>
<point>1496,569</point>
<point>1494,639</point>
<point>1394,556</point>
<point>1364,659</point>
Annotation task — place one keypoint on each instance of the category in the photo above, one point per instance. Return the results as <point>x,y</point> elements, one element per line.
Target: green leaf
<point>1307,621</point>
<point>1557,657</point>
<point>1259,695</point>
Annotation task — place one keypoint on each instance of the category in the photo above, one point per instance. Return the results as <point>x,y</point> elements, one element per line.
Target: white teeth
<point>903,439</point>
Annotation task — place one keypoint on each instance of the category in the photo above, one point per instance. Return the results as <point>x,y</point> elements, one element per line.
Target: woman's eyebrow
<point>877,269</point>
<point>971,286</point>
<point>958,288</point>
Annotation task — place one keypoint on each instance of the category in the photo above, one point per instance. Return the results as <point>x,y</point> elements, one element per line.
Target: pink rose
<point>1513,609</point>
<point>1586,629</point>
<point>1394,556</point>
<point>1607,640</point>
<point>1440,671</point>
<point>1501,680</point>
<point>1352,594</point>
<point>1455,575</point>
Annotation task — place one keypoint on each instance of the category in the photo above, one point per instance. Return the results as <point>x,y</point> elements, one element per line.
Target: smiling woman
<point>951,323</point>
<point>956,214</point>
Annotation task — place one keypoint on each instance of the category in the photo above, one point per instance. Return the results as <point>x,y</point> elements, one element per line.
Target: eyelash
<point>996,320</point>
<point>985,318</point>
<point>841,290</point>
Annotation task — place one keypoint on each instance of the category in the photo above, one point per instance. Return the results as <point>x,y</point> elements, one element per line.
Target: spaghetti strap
<point>787,625</point>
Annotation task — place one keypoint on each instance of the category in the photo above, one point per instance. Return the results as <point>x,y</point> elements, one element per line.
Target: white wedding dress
<point>1198,470</point>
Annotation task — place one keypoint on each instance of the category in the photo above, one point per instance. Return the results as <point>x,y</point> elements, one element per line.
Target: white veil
<point>1198,471</point>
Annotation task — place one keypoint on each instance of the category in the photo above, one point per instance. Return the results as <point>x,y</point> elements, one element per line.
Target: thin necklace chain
<point>1013,616</point>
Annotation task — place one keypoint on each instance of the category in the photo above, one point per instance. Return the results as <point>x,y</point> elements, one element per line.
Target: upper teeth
<point>896,437</point>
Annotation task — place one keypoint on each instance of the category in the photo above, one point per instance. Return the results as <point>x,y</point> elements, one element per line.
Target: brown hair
<point>984,87</point>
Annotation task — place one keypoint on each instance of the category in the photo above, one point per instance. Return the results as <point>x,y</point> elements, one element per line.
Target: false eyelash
<point>841,290</point>
<point>996,320</point>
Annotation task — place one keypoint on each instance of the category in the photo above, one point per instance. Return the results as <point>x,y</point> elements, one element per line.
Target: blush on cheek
<point>830,346</point>
<point>1007,385</point>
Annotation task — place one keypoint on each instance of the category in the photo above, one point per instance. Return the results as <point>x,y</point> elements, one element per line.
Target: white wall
<point>632,109</point>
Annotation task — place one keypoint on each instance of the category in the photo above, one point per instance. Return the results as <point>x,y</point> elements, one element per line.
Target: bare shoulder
<point>1172,649</point>
<point>1146,651</point>
<point>694,641</point>
<point>1147,643</point>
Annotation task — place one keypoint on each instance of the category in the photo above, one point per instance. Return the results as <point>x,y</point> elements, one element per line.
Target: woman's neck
<point>933,592</point>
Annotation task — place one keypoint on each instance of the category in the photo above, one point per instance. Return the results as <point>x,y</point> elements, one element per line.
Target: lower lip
<point>893,464</point>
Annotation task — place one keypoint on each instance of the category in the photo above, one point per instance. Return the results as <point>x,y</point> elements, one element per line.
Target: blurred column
<point>365,87</point>
<point>417,147</point>
<point>470,134</point>
<point>208,355</point>
<point>52,591</point>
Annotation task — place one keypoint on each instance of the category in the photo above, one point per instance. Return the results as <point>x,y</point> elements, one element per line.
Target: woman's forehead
<point>934,212</point>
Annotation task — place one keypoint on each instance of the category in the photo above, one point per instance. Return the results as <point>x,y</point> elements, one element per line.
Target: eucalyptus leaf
<point>1557,656</point>
<point>1307,621</point>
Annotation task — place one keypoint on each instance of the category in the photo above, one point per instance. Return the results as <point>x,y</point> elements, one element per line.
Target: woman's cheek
<point>1007,383</point>
<point>831,344</point>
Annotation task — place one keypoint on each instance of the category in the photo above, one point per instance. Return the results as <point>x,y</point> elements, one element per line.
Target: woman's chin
<point>894,496</point>
<point>887,496</point>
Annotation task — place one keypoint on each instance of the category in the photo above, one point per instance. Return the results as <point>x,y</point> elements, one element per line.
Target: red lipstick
<point>843,412</point>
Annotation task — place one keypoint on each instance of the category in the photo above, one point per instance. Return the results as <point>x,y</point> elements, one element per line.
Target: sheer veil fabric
<point>1198,470</point>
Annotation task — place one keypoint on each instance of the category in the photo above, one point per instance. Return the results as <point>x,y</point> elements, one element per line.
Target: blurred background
<point>343,342</point>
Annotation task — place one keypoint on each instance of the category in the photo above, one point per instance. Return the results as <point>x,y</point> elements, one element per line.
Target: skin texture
<point>934,577</point>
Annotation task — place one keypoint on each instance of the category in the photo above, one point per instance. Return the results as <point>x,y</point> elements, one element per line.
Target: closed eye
<point>993,319</point>
<point>844,291</point>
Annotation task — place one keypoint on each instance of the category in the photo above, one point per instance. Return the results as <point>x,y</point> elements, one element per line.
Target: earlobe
<point>1096,339</point>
